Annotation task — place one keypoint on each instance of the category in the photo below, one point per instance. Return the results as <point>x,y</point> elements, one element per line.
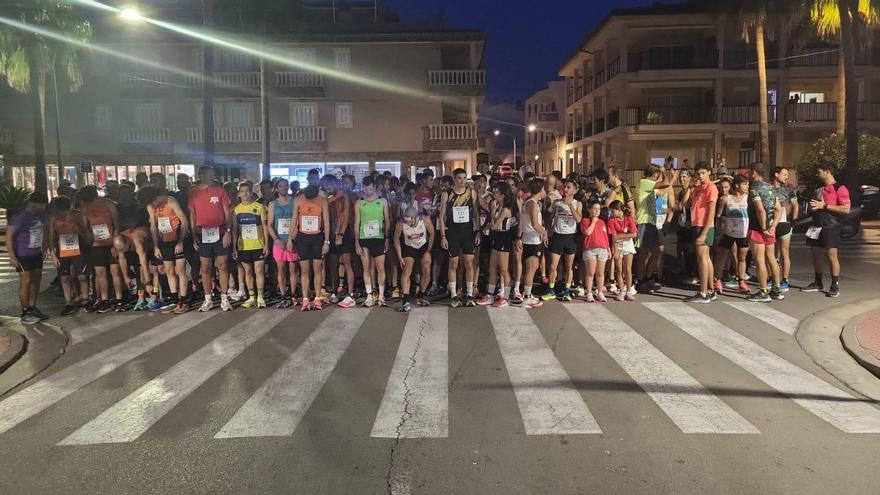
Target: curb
<point>17,348</point>
<point>819,335</point>
<point>851,343</point>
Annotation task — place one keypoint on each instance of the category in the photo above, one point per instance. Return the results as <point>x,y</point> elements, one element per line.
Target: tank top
<point>415,237</point>
<point>281,219</point>
<point>530,236</point>
<point>484,214</point>
<point>310,219</point>
<point>167,221</point>
<point>372,219</point>
<point>736,217</point>
<point>563,220</point>
<point>337,210</point>
<point>101,222</point>
<point>68,236</point>
<point>460,211</point>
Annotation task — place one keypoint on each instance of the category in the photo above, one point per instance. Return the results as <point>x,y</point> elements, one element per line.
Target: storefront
<point>23,176</point>
<point>300,171</point>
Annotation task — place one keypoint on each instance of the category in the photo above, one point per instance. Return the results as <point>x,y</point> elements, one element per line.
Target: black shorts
<point>309,246</point>
<point>166,249</point>
<point>460,242</point>
<point>213,249</point>
<point>72,266</point>
<point>727,241</point>
<point>347,246</point>
<point>251,256</point>
<point>829,238</point>
<point>101,256</point>
<point>29,263</point>
<point>783,229</point>
<point>502,241</point>
<point>374,247</point>
<point>648,236</point>
<point>530,250</point>
<point>437,247</point>
<point>563,244</point>
<point>411,252</point>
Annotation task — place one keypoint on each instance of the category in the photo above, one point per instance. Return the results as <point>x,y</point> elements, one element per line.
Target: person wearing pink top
<point>596,251</point>
<point>831,203</point>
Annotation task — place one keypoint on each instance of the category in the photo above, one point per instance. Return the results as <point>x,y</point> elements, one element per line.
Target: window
<point>342,58</point>
<point>343,115</point>
<point>303,114</point>
<point>102,117</point>
<point>199,114</point>
<point>304,55</point>
<point>239,114</point>
<point>148,115</point>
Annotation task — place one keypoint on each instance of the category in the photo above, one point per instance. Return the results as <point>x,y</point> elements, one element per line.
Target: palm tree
<point>27,58</point>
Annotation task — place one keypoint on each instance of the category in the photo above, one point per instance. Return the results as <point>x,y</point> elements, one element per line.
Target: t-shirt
<point>702,197</point>
<point>251,219</point>
<point>646,210</point>
<point>835,197</point>
<point>599,237</point>
<point>28,237</point>
<point>786,194</point>
<point>623,193</point>
<point>766,194</point>
<point>207,205</point>
<point>622,225</point>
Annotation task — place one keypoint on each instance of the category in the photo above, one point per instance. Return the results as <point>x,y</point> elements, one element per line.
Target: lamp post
<point>533,128</point>
<point>498,132</point>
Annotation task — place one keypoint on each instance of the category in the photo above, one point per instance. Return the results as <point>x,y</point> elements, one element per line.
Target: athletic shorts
<point>29,263</point>
<point>251,256</point>
<point>626,247</point>
<point>72,266</point>
<point>783,230</point>
<point>532,250</point>
<point>374,247</point>
<point>502,242</point>
<point>166,249</point>
<point>758,237</point>
<point>829,238</point>
<point>460,242</point>
<point>281,254</point>
<point>347,246</point>
<point>309,246</point>
<point>411,252</point>
<point>649,237</point>
<point>599,254</point>
<point>213,249</point>
<point>727,242</point>
<point>438,244</point>
<point>101,256</point>
<point>710,236</point>
<point>563,244</point>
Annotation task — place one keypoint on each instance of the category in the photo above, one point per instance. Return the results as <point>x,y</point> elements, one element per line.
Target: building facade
<point>545,145</point>
<point>676,80</point>
<point>346,95</point>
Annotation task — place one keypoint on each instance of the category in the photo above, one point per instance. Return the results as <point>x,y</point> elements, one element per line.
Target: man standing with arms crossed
<point>764,211</point>
<point>788,198</point>
<point>459,234</point>
<point>832,202</point>
<point>210,215</point>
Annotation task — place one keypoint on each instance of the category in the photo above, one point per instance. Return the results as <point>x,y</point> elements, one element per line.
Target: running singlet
<point>311,217</point>
<point>415,237</point>
<point>736,217</point>
<point>425,197</point>
<point>372,219</point>
<point>563,221</point>
<point>167,222</point>
<point>68,236</point>
<point>250,220</point>
<point>283,214</point>
<point>460,211</point>
<point>530,236</point>
<point>100,220</point>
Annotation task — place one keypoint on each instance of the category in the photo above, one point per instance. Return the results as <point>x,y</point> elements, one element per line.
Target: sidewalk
<point>861,338</point>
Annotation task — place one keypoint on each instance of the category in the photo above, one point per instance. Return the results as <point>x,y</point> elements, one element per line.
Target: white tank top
<point>415,237</point>
<point>736,217</point>
<point>563,221</point>
<point>530,236</point>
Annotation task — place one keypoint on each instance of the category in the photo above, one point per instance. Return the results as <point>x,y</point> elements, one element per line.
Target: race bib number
<point>35,237</point>
<point>461,214</point>
<point>567,224</point>
<point>813,232</point>
<point>69,243</point>
<point>101,232</point>
<point>310,223</point>
<point>283,226</point>
<point>371,229</point>
<point>210,234</point>
<point>249,232</point>
<point>164,224</point>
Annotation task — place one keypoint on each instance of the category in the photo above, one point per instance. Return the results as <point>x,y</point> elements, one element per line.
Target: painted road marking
<point>548,402</point>
<point>278,406</point>
<point>418,408</point>
<point>839,408</point>
<point>85,327</point>
<point>687,402</point>
<point>53,388</point>
<point>774,318</point>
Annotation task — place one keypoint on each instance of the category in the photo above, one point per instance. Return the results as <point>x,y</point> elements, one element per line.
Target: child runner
<point>622,227</point>
<point>596,251</point>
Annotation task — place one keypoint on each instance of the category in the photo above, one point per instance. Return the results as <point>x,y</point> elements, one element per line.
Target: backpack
<point>825,218</point>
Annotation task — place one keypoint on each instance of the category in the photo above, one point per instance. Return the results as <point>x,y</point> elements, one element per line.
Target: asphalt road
<point>648,397</point>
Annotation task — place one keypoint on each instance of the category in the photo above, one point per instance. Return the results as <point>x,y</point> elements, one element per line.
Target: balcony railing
<point>670,114</point>
<point>226,80</point>
<point>452,131</point>
<point>136,135</point>
<point>613,120</point>
<point>456,78</point>
<point>301,134</point>
<point>869,111</point>
<point>6,136</point>
<point>600,78</point>
<point>746,60</point>
<point>299,79</point>
<point>138,80</point>
<point>650,60</point>
<point>812,57</point>
<point>599,125</point>
<point>811,112</point>
<point>227,134</point>
<point>614,68</point>
<point>745,114</point>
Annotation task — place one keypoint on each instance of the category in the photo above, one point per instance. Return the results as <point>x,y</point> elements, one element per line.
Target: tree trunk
<point>763,120</point>
<point>264,114</point>
<point>38,108</point>
<point>849,10</point>
<point>208,87</point>
<point>841,94</point>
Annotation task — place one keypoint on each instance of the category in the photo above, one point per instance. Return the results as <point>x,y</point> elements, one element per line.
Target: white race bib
<point>813,232</point>
<point>567,225</point>
<point>371,229</point>
<point>101,232</point>
<point>461,214</point>
<point>69,242</point>
<point>164,224</point>
<point>249,232</point>
<point>283,226</point>
<point>210,235</point>
<point>35,238</point>
<point>309,223</point>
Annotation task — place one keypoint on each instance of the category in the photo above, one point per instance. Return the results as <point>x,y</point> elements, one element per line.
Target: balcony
<point>548,116</point>
<point>666,60</point>
<point>226,80</point>
<point>440,137</point>
<point>812,57</point>
<point>6,136</point>
<point>745,114</point>
<point>145,80</point>
<point>867,111</point>
<point>301,134</point>
<point>614,68</point>
<point>457,82</point>
<point>299,79</point>
<point>811,112</point>
<point>599,125</point>
<point>746,60</point>
<point>613,120</point>
<point>671,114</point>
<point>600,78</point>
<point>226,135</point>
<point>137,135</point>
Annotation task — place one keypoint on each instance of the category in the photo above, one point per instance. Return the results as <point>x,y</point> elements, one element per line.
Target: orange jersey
<point>68,230</point>
<point>99,215</point>
<point>311,215</point>
<point>167,221</point>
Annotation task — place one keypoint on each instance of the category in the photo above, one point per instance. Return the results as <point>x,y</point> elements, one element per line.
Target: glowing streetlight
<point>131,14</point>
<point>496,132</point>
<point>537,157</point>
<point>532,127</point>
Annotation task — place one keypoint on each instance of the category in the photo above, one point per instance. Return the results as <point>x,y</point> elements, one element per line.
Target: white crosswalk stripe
<point>831,404</point>
<point>84,327</point>
<point>768,315</point>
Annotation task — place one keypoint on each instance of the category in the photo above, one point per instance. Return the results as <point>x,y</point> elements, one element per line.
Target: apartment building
<point>367,92</point>
<point>545,145</point>
<point>677,80</point>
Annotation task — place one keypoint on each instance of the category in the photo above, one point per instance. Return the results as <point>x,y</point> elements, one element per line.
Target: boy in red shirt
<point>596,251</point>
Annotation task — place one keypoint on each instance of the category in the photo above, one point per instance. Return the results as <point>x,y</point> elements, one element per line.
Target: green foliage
<point>833,149</point>
<point>12,198</point>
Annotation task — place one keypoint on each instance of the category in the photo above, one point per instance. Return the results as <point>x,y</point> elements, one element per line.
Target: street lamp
<point>131,14</point>
<point>497,132</point>
<point>533,128</point>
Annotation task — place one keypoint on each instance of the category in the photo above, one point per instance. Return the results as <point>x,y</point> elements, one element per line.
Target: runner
<point>504,215</point>
<point>279,221</point>
<point>101,217</point>
<point>24,240</point>
<point>67,232</point>
<point>703,200</point>
<point>168,230</point>
<point>832,202</point>
<point>534,238</point>
<point>211,219</point>
<point>790,212</point>
<point>134,236</point>
<point>416,231</point>
<point>764,211</point>
<point>622,228</point>
<point>250,225</point>
<point>373,221</point>
<point>341,205</point>
<point>567,214</point>
<point>311,234</point>
<point>459,234</point>
<point>735,227</point>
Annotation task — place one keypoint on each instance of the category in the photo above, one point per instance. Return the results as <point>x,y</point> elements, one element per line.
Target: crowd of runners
<point>480,240</point>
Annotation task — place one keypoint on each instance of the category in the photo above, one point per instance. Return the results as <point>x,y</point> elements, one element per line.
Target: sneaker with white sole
<point>348,302</point>
<point>208,305</point>
<point>533,302</point>
<point>225,305</point>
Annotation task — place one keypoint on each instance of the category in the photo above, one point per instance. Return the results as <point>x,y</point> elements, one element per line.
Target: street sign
<point>87,167</point>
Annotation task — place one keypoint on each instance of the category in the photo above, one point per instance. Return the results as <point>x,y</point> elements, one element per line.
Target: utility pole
<point>60,162</point>
<point>208,86</point>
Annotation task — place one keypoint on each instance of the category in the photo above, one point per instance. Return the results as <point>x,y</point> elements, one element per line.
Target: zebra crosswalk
<point>417,401</point>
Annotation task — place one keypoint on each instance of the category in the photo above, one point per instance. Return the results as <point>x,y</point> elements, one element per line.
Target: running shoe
<point>533,302</point>
<point>102,307</point>
<point>39,314</point>
<point>501,302</point>
<point>225,304</point>
<point>590,297</point>
<point>549,296</point>
<point>784,287</point>
<point>395,293</point>
<point>743,288</point>
<point>141,305</point>
<point>833,292</point>
<point>813,287</point>
<point>470,302</point>
<point>422,302</point>
<point>305,305</point>
<point>731,283</point>
<point>601,297</point>
<point>69,310</point>
<point>776,294</point>
<point>620,296</point>
<point>369,302</point>
<point>719,288</point>
<point>698,298</point>
<point>380,301</point>
<point>334,298</point>
<point>486,300</point>
<point>713,296</point>
<point>581,291</point>
<point>249,303</point>
<point>611,288</point>
<point>208,305</point>
<point>235,295</point>
<point>760,296</point>
<point>405,307</point>
<point>434,291</point>
<point>120,306</point>
<point>629,298</point>
<point>348,302</point>
<point>516,299</point>
<point>261,303</point>
<point>317,304</point>
<point>565,296</point>
<point>181,308</point>
<point>28,318</point>
<point>632,291</point>
<point>285,303</point>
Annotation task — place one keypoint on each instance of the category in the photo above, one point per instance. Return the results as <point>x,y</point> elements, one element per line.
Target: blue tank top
<point>283,212</point>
